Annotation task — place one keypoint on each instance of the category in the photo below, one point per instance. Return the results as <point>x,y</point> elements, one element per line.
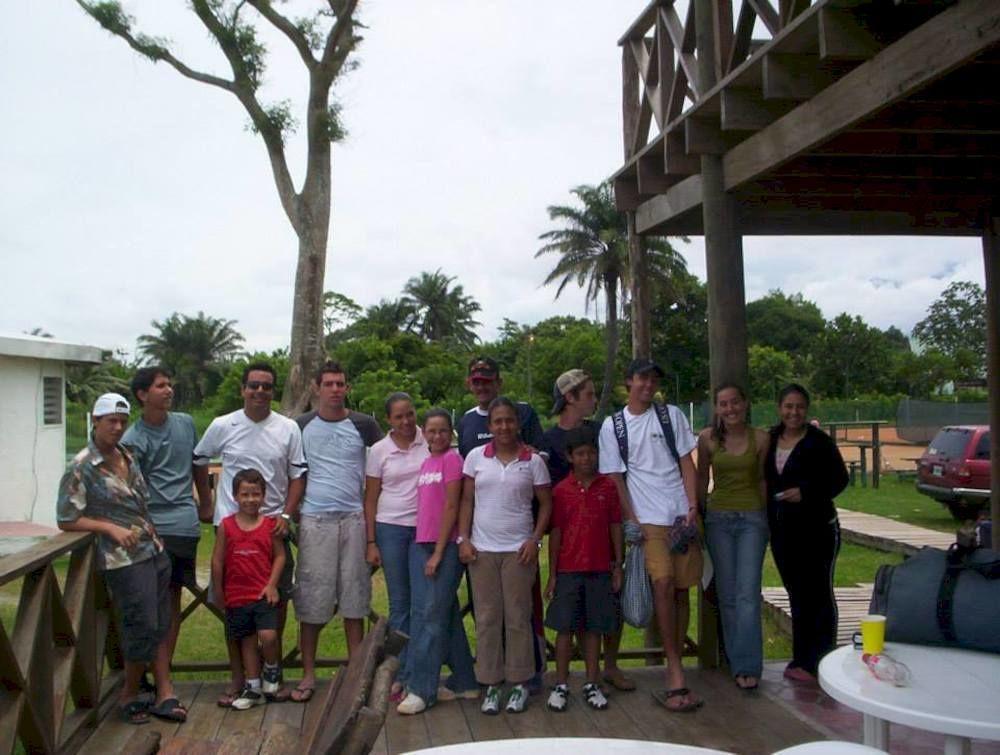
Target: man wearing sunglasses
<point>255,437</point>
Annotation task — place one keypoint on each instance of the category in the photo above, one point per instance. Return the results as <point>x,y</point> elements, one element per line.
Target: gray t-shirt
<point>164,454</point>
<point>335,452</point>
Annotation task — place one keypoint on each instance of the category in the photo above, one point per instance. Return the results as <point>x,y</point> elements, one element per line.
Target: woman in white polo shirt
<point>499,542</point>
<point>391,475</point>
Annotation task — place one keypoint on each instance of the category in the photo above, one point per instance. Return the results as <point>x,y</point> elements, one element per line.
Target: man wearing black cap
<point>646,449</point>
<point>484,382</point>
<point>574,400</point>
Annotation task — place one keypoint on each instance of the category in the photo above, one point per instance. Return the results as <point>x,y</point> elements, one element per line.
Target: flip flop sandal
<point>283,695</point>
<point>135,712</point>
<point>746,687</point>
<point>663,698</point>
<point>226,698</point>
<point>304,694</point>
<point>170,709</point>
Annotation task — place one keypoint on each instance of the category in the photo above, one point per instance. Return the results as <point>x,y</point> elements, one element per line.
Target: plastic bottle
<point>888,669</point>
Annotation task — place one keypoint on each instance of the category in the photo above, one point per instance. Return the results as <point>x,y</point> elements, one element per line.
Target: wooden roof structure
<point>854,117</point>
<point>806,117</point>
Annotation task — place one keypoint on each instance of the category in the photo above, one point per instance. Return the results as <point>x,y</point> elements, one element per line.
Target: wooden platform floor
<point>852,604</point>
<point>884,534</point>
<point>731,720</point>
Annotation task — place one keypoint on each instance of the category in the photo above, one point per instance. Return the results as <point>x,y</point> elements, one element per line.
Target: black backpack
<point>621,432</point>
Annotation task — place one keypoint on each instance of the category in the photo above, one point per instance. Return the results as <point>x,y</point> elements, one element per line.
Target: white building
<point>33,423</point>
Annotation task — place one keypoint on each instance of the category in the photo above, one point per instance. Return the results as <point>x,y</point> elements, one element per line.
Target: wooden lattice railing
<point>53,684</point>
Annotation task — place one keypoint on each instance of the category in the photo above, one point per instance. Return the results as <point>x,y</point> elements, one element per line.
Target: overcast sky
<point>130,193</point>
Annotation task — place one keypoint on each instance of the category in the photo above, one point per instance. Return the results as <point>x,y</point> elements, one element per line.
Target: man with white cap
<point>103,492</point>
<point>574,401</point>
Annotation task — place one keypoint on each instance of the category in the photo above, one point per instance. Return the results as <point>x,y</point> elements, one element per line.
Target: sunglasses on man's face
<point>256,385</point>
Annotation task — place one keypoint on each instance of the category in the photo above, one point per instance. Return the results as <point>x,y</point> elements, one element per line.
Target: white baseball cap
<point>111,403</point>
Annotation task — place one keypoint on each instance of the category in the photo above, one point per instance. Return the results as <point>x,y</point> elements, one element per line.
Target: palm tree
<point>195,349</point>
<point>593,250</point>
<point>440,311</point>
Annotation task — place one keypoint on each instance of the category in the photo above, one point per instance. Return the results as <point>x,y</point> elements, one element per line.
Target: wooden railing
<point>53,682</point>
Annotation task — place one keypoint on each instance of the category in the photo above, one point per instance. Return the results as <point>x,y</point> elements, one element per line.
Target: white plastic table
<point>954,692</point>
<point>568,746</point>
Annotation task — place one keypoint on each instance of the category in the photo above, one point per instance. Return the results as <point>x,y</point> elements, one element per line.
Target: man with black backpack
<point>646,449</point>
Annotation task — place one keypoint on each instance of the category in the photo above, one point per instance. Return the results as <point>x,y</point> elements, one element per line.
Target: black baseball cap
<point>639,366</point>
<point>484,367</point>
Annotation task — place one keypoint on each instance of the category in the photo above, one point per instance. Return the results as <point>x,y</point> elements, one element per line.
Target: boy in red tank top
<point>247,562</point>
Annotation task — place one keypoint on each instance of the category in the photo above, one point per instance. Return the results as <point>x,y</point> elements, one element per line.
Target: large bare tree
<point>324,42</point>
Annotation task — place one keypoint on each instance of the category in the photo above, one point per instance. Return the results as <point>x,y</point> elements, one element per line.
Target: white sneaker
<point>558,698</point>
<point>248,699</point>
<point>594,697</point>
<point>491,701</point>
<point>517,699</point>
<point>411,705</point>
<point>446,694</point>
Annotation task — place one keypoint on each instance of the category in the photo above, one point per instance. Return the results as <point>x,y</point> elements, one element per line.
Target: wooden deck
<point>731,720</point>
<point>852,604</point>
<point>884,534</point>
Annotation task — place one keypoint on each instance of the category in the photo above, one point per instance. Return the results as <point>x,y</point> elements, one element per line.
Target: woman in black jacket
<point>804,471</point>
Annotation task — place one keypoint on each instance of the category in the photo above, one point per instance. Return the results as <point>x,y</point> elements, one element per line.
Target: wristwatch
<point>459,540</point>
<point>287,517</point>
<point>539,544</point>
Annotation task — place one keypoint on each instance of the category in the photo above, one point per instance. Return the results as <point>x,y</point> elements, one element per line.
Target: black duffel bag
<point>940,597</point>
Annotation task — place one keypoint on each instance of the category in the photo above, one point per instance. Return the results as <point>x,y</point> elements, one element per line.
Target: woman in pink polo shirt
<point>391,475</point>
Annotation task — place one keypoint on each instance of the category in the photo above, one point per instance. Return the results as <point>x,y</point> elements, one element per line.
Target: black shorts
<point>141,597</point>
<point>183,552</point>
<point>584,601</point>
<point>244,621</point>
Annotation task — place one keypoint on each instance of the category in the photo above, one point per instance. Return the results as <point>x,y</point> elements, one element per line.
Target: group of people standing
<point>427,513</point>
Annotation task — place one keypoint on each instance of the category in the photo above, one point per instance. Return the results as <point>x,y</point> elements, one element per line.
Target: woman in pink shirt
<point>438,635</point>
<point>391,474</point>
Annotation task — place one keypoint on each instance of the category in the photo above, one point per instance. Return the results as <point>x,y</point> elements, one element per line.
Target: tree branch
<point>286,27</point>
<point>345,21</point>
<point>150,48</point>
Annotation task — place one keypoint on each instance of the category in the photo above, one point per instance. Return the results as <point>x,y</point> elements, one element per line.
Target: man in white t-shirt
<point>254,437</point>
<point>656,487</point>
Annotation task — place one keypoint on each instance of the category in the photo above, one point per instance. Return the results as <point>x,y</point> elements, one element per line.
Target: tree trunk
<point>611,343</point>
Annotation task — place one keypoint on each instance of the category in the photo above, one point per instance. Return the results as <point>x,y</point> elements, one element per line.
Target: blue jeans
<point>438,633</point>
<point>736,542</point>
<point>394,542</point>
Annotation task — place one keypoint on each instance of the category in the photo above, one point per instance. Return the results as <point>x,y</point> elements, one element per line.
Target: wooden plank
<point>843,37</point>
<point>949,39</point>
<point>766,12</point>
<point>677,162</point>
<point>746,110</point>
<point>446,725</point>
<point>405,733</point>
<point>142,742</point>
<point>678,199</point>
<point>280,738</point>
<point>185,745</point>
<point>686,60</point>
<point>794,77</point>
<point>742,36</point>
<point>651,176</point>
<point>204,715</point>
<point>889,535</point>
<point>704,137</point>
<point>533,721</point>
<point>240,743</point>
<point>18,564</point>
<point>481,727</point>
<point>242,722</point>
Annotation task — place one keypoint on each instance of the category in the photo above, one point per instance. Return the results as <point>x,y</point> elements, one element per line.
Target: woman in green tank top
<point>732,453</point>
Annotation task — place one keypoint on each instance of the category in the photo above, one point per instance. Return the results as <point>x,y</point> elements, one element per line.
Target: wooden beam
<point>843,37</point>
<point>862,188</point>
<point>914,145</point>
<point>630,101</point>
<point>626,193</point>
<point>638,28</point>
<point>678,199</point>
<point>766,12</point>
<point>652,179</point>
<point>991,264</point>
<point>675,157</point>
<point>794,77</point>
<point>745,110</point>
<point>895,167</point>
<point>743,36</point>
<point>951,38</point>
<point>672,23</point>
<point>722,27</point>
<point>704,137</point>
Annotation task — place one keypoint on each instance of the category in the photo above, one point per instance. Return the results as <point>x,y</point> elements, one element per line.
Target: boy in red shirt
<point>247,561</point>
<point>585,565</point>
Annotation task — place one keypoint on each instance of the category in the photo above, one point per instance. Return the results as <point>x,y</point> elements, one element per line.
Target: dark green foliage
<point>680,339</point>
<point>197,350</point>
<point>788,323</point>
<point>228,395</point>
<point>440,311</point>
<point>956,326</point>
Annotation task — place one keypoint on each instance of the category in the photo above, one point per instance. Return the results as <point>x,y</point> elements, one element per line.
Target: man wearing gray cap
<point>574,401</point>
<point>103,492</point>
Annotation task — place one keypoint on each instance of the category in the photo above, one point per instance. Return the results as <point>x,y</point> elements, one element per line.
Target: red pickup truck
<point>955,469</point>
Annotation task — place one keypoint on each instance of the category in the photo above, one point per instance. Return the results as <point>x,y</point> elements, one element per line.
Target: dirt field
<point>897,454</point>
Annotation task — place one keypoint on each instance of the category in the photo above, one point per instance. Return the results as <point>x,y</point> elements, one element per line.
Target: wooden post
<point>641,338</point>
<point>991,263</point>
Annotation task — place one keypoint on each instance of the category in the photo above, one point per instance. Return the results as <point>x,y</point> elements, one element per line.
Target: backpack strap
<point>621,435</point>
<point>668,431</point>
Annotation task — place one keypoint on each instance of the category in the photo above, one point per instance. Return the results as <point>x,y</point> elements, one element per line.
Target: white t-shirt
<point>398,469</point>
<point>654,479</point>
<point>272,446</point>
<point>502,519</point>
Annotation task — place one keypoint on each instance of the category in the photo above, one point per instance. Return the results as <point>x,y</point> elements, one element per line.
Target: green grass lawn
<point>202,638</point>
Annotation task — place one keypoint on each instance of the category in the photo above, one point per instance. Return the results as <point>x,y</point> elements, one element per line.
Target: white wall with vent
<point>33,423</point>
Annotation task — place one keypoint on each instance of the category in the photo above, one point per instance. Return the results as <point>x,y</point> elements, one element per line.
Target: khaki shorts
<point>684,568</point>
<point>332,572</point>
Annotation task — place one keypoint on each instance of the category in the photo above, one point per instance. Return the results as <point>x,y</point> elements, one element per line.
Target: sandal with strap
<point>686,706</point>
<point>135,712</point>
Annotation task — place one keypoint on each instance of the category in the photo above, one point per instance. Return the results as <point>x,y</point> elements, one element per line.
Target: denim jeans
<point>438,635</point>
<point>394,542</point>
<point>736,542</point>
